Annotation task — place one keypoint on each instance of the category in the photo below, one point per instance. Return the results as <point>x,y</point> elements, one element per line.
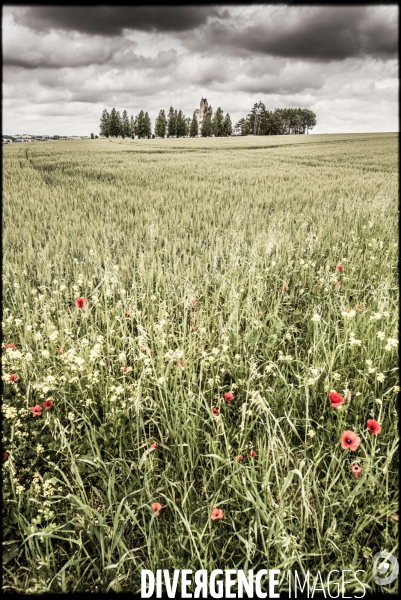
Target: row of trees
<point>174,124</point>
<point>259,121</point>
<point>217,124</point>
<point>281,121</point>
<point>115,125</point>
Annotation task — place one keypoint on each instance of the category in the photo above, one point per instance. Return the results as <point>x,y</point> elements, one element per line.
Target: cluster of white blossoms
<point>391,344</point>
<point>173,354</point>
<point>10,412</point>
<point>350,314</point>
<point>353,341</point>
<point>316,318</point>
<point>284,358</point>
<point>369,364</point>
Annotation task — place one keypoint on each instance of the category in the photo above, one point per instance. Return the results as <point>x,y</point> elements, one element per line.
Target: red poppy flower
<point>80,302</point>
<point>336,399</point>
<point>217,513</point>
<point>360,307</point>
<point>340,268</point>
<point>47,404</point>
<point>338,283</point>
<point>373,426</point>
<point>239,458</point>
<point>127,313</point>
<point>154,445</point>
<point>10,346</point>
<point>356,470</point>
<point>181,364</point>
<point>228,396</point>
<point>346,309</point>
<point>13,377</point>
<point>285,287</point>
<point>5,455</point>
<point>143,349</point>
<point>252,454</point>
<point>350,440</point>
<point>215,411</point>
<point>36,410</point>
<point>125,369</point>
<point>60,349</point>
<point>193,328</point>
<point>193,301</point>
<point>156,507</point>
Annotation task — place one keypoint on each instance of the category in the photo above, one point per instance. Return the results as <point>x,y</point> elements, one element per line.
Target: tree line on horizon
<point>173,124</point>
<point>281,121</point>
<point>259,121</point>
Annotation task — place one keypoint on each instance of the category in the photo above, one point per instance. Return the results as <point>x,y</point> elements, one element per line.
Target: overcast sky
<point>62,65</point>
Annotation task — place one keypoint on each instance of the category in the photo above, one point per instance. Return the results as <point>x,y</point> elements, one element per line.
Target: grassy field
<point>263,267</point>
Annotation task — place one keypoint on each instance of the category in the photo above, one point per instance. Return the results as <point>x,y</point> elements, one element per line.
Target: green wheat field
<point>145,280</point>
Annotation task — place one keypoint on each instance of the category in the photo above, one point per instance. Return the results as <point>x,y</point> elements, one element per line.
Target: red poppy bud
<point>336,399</point>
<point>156,507</point>
<point>80,302</point>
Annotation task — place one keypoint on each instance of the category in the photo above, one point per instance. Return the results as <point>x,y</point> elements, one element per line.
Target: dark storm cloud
<point>311,33</point>
<point>112,20</point>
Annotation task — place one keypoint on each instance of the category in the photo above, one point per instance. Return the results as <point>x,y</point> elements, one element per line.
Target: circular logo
<point>383,566</point>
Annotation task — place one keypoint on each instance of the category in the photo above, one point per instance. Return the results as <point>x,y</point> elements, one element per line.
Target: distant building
<point>237,131</point>
<point>199,113</point>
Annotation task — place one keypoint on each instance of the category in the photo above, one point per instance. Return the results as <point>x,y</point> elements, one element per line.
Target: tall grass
<point>203,263</point>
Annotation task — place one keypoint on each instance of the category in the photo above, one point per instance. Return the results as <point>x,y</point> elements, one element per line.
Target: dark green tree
<point>246,127</point>
<point>114,128</point>
<point>207,125</point>
<point>147,126</point>
<point>140,125</point>
<point>161,124</point>
<point>218,123</point>
<point>193,130</point>
<point>125,125</point>
<point>308,119</point>
<point>105,124</point>
<point>228,126</point>
<point>172,123</point>
<point>181,124</point>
